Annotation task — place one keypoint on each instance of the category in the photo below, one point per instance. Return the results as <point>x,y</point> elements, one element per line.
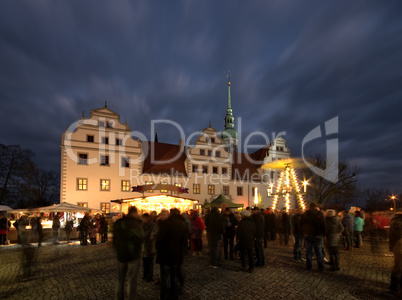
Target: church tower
<point>229,134</point>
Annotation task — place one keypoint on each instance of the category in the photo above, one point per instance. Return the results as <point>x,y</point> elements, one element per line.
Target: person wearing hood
<point>333,228</point>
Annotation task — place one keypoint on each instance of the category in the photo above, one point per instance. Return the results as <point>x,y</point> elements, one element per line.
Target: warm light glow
<point>287,182</point>
<point>160,202</point>
<point>255,195</point>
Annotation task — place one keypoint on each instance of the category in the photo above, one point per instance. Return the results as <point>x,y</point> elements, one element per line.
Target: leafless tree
<point>323,191</point>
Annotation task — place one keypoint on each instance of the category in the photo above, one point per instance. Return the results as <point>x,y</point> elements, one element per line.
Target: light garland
<point>290,177</point>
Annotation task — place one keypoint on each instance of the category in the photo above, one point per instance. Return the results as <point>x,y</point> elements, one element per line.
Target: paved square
<point>71,271</point>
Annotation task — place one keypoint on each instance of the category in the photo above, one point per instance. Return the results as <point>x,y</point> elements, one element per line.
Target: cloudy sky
<point>294,65</point>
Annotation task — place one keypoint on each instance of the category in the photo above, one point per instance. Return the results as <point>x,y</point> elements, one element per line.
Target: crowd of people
<point>170,235</point>
<point>166,237</point>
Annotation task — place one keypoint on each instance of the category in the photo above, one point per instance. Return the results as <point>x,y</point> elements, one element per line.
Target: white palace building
<point>104,165</point>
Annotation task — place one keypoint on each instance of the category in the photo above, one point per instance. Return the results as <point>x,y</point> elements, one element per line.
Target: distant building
<point>101,162</point>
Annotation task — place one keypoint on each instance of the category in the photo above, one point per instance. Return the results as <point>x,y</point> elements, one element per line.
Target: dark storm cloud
<point>294,66</point>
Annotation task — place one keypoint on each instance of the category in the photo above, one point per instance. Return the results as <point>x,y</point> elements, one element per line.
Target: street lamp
<point>393,199</point>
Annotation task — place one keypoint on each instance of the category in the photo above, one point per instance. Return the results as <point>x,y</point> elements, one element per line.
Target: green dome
<point>229,132</point>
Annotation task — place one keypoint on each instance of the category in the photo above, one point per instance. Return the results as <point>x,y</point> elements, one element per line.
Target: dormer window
<point>212,140</point>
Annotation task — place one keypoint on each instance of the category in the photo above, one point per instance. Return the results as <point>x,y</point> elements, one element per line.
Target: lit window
<point>178,184</point>
<point>196,188</point>
<point>104,160</point>
<point>105,140</point>
<point>224,171</point>
<point>83,159</point>
<point>226,190</point>
<point>105,207</point>
<point>164,191</point>
<point>211,189</point>
<point>125,185</point>
<point>239,191</point>
<point>82,204</point>
<point>125,162</point>
<point>105,185</point>
<point>82,184</point>
<point>90,138</point>
<point>149,183</point>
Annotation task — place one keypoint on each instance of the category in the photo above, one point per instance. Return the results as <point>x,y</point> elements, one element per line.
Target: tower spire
<point>229,134</point>
<point>229,115</point>
<point>229,102</point>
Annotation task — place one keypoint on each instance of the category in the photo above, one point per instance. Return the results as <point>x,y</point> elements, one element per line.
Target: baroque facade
<point>101,161</point>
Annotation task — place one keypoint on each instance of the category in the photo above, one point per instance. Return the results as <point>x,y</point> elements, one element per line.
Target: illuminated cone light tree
<point>288,184</point>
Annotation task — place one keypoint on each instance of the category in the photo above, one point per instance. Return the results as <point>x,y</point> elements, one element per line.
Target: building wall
<point>103,123</point>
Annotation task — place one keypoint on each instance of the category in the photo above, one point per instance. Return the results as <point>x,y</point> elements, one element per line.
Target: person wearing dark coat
<point>395,246</point>
<point>259,224</point>
<point>245,236</point>
<point>5,224</point>
<point>272,225</point>
<point>349,226</point>
<point>150,230</point>
<point>230,230</point>
<point>128,240</point>
<point>313,226</point>
<point>56,228</point>
<point>39,229</point>
<point>68,229</point>
<point>285,227</point>
<point>170,245</point>
<point>267,225</point>
<point>103,228</point>
<point>298,235</point>
<point>85,226</point>
<point>215,228</point>
<point>333,228</point>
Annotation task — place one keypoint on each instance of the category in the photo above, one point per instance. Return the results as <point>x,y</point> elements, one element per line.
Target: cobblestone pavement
<point>71,271</point>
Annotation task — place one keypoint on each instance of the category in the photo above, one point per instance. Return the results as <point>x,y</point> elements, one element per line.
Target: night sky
<point>294,65</point>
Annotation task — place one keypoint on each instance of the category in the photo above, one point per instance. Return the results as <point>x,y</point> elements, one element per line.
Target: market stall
<point>67,212</point>
<point>156,203</point>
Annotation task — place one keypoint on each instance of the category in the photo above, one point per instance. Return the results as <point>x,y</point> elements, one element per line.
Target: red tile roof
<point>163,159</point>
